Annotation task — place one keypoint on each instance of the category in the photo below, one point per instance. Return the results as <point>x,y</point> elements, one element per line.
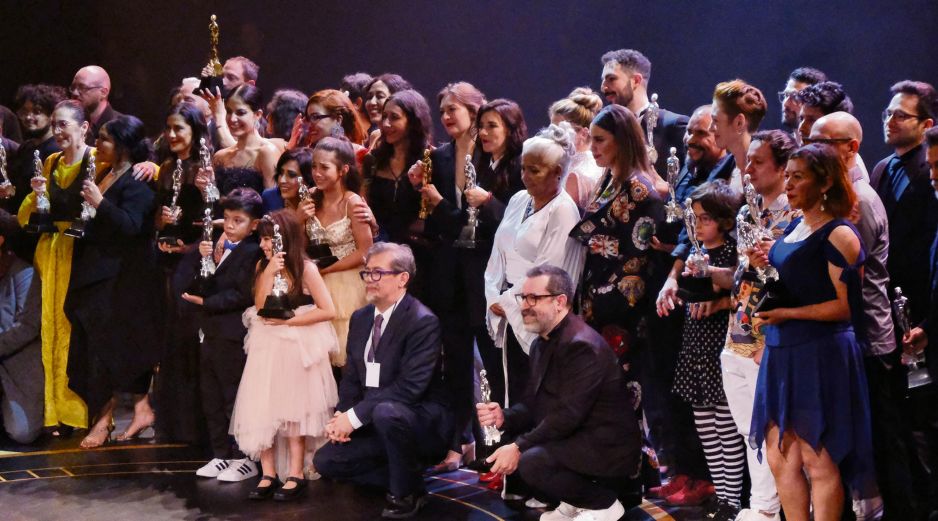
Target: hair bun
<point>562,134</point>
<point>586,98</point>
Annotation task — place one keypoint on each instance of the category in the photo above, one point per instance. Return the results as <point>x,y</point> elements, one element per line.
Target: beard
<point>35,133</point>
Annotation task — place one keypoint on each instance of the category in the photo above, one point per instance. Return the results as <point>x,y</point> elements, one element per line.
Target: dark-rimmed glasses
<point>826,140</point>
<point>899,116</point>
<point>376,274</point>
<point>532,299</point>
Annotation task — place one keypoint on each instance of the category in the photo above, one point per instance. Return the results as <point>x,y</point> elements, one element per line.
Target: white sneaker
<point>754,515</point>
<point>613,513</point>
<point>240,470</point>
<point>213,468</point>
<point>533,502</point>
<point>564,512</point>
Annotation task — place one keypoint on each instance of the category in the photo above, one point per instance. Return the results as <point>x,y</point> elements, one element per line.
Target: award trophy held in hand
<point>40,221</point>
<point>758,230</point>
<point>317,249</point>
<point>212,80</point>
<point>277,304</point>
<point>651,121</point>
<point>467,236</point>
<point>418,227</point>
<point>490,434</point>
<point>170,233</point>
<point>698,287</point>
<point>5,185</point>
<point>77,229</point>
<point>211,191</point>
<point>202,281</point>
<point>672,208</point>
<point>915,363</point>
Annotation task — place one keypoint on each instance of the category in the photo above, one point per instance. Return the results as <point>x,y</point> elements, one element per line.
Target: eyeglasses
<point>61,124</point>
<point>705,218</point>
<point>899,116</point>
<point>783,95</point>
<point>376,274</point>
<point>531,299</point>
<point>826,140</point>
<point>81,89</point>
<point>316,118</point>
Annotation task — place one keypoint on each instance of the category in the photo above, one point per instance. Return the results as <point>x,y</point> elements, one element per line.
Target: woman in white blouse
<point>535,230</point>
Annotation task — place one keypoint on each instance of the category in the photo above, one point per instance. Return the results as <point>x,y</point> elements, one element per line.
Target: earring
<point>823,200</point>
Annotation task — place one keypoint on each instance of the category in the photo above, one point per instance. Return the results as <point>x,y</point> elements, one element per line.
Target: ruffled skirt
<point>287,388</point>
<point>348,294</point>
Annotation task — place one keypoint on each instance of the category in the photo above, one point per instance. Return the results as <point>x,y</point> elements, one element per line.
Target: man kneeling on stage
<point>576,438</point>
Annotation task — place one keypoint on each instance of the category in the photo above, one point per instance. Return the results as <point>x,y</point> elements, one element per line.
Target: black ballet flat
<point>289,494</point>
<point>265,492</point>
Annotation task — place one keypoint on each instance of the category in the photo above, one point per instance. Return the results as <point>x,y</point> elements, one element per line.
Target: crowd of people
<point>695,309</point>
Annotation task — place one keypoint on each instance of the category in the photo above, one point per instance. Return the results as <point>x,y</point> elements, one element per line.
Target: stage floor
<point>142,481</point>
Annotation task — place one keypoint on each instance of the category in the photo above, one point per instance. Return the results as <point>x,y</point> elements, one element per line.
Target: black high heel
<point>260,492</point>
<point>288,494</point>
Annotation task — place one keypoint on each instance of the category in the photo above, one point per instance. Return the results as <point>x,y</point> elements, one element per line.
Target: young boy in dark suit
<point>222,356</point>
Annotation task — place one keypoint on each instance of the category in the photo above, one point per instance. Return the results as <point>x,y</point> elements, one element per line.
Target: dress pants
<point>549,480</point>
<point>392,452</point>
<point>739,383</point>
<point>459,373</point>
<point>221,363</point>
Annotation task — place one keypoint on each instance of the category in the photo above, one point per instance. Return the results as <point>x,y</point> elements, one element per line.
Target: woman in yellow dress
<point>53,259</point>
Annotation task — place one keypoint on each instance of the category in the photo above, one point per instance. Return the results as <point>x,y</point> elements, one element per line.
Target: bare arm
<point>363,241</point>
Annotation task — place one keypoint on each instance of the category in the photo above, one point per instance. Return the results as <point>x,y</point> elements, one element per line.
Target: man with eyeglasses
<point>797,80</point>
<point>884,372</point>
<point>392,419</point>
<point>91,87</point>
<point>575,436</point>
<point>902,182</point>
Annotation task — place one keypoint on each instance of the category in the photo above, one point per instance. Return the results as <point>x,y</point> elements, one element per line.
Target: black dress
<point>229,178</point>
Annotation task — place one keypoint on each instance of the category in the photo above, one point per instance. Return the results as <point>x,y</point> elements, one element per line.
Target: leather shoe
<point>497,483</point>
<point>404,507</point>
<point>674,486</point>
<point>288,494</point>
<point>260,492</point>
<point>485,477</point>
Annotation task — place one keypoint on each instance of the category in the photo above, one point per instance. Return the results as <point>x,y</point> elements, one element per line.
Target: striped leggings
<point>724,450</point>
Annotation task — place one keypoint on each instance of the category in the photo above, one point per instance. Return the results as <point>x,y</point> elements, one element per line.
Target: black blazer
<point>410,354</point>
<point>230,293</point>
<point>576,404</point>
<point>913,221</point>
<point>669,132</point>
<point>930,323</point>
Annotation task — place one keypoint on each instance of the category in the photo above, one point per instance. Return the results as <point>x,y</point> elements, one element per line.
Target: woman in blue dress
<point>811,407</point>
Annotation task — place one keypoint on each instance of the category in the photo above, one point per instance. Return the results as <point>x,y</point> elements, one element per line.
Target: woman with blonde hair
<point>578,109</point>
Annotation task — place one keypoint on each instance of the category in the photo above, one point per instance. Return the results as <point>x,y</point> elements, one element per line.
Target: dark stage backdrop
<point>531,51</point>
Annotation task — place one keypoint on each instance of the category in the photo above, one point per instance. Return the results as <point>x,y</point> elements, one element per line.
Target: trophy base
<point>773,297</point>
<point>696,289</point>
<point>168,240</point>
<point>479,464</point>
<point>169,235</point>
<point>200,286</point>
<point>276,306</point>
<point>76,230</point>
<point>467,238</point>
<point>40,223</point>
<point>918,377</point>
<point>321,254</point>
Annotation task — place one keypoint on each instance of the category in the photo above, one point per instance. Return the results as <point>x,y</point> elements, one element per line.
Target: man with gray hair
<point>576,438</point>
<point>392,419</point>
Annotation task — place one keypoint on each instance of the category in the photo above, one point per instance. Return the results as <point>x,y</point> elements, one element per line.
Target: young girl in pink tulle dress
<point>287,392</point>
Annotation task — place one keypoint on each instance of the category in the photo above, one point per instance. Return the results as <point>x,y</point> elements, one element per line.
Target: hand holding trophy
<point>699,286</point>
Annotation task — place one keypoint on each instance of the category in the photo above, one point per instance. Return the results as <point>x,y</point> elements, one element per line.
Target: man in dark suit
<point>901,180</point>
<point>392,418</point>
<point>576,438</point>
<point>91,87</point>
<point>626,73</point>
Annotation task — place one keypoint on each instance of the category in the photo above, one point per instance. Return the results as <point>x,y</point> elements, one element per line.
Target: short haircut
<point>558,280</point>
<point>927,99</point>
<point>738,97</point>
<point>719,200</point>
<point>402,257</point>
<point>41,95</point>
<point>251,69</point>
<point>355,84</point>
<point>826,96</point>
<point>825,163</point>
<point>931,137</point>
<point>283,109</point>
<point>630,60</point>
<point>781,144</point>
<point>245,200</point>
<point>808,75</point>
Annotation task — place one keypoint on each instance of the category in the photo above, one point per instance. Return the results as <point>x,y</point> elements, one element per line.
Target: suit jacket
<point>577,405</point>
<point>410,354</point>
<point>669,132</point>
<point>21,373</point>
<point>913,220</point>
<point>230,293</point>
<point>108,115</point>
<point>930,324</point>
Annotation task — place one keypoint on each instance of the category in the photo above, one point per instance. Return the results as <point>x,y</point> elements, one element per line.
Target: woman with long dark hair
<point>115,341</point>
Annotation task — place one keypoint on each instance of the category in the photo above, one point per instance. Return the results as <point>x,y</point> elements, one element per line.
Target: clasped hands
<point>339,429</point>
<point>505,458</point>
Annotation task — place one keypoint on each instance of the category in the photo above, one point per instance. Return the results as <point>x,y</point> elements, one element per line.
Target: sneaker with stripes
<point>213,468</point>
<point>240,470</point>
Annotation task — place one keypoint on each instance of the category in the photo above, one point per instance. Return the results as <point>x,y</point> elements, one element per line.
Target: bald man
<point>91,87</point>
<point>885,374</point>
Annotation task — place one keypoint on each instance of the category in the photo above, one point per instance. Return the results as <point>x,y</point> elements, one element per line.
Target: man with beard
<point>392,418</point>
<point>91,87</point>
<point>33,105</point>
<point>576,441</point>
<point>626,73</point>
<point>818,100</point>
<point>797,80</point>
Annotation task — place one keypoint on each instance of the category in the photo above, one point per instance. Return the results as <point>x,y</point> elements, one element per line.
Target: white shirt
<point>227,252</point>
<point>352,417</point>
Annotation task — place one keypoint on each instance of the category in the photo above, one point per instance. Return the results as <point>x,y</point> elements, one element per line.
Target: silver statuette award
<point>277,304</point>
<point>490,433</point>
<point>467,236</point>
<point>672,208</point>
<point>5,183</point>
<point>211,191</point>
<point>699,286</point>
<point>918,372</point>
<point>77,229</point>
